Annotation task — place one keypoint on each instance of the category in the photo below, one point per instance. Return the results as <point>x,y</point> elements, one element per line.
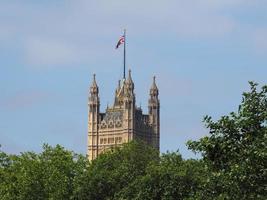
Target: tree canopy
<point>48,175</point>
<point>236,149</point>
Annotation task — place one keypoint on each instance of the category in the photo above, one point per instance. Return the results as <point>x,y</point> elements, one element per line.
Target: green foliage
<point>236,150</point>
<point>114,170</point>
<point>171,178</point>
<point>49,175</point>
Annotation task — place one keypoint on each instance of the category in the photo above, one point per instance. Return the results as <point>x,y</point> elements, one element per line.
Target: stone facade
<point>123,121</point>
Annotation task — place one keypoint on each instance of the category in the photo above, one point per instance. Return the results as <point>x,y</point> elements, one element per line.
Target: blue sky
<point>202,52</point>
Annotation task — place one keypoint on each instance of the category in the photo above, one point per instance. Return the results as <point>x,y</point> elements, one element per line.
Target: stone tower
<point>123,121</point>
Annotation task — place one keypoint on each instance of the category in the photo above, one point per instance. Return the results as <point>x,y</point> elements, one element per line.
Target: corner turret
<point>154,112</point>
<point>93,119</point>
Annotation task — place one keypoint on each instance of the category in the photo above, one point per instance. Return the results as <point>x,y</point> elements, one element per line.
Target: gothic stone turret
<point>154,115</point>
<point>93,120</point>
<point>123,121</point>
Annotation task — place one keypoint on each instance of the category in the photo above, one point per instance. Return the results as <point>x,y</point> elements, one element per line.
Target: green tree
<point>112,171</point>
<point>236,150</point>
<point>170,179</point>
<point>48,175</point>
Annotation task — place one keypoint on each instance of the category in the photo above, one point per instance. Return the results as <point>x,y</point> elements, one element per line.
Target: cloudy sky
<point>202,52</point>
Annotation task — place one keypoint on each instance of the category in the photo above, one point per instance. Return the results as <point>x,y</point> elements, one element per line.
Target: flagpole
<point>124,54</point>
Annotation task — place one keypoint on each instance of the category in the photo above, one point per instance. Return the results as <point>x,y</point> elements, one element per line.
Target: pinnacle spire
<point>118,87</point>
<point>154,89</point>
<point>94,87</point>
<point>119,83</point>
<point>129,79</point>
<point>94,81</point>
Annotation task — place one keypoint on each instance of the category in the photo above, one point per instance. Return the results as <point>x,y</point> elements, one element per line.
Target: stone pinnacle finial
<point>94,81</point>
<point>130,80</point>
<point>154,88</point>
<point>94,87</point>
<point>154,85</point>
<point>119,87</point>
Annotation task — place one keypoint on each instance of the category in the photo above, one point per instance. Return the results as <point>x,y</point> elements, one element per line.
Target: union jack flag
<point>121,41</point>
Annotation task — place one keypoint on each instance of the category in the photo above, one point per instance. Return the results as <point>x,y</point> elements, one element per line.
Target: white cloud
<point>60,35</point>
<point>23,99</point>
<point>186,18</point>
<point>45,52</point>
